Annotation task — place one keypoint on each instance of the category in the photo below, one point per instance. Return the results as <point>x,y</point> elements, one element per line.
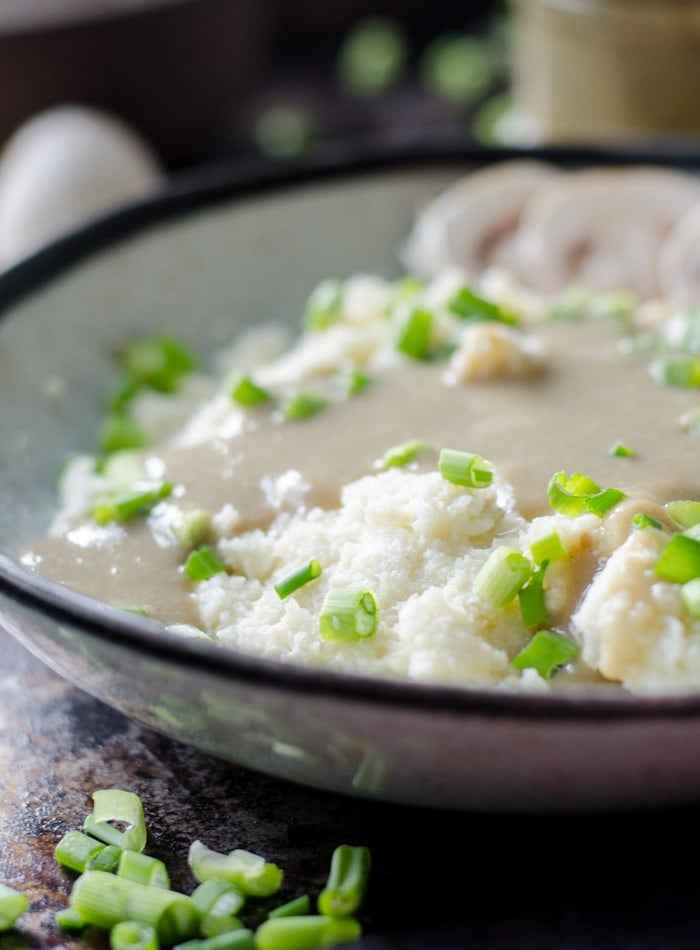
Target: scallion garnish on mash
<point>203,564</point>
<point>502,575</point>
<point>621,450</point>
<point>531,597</point>
<point>545,652</point>
<point>300,405</point>
<point>679,561</point>
<point>402,454</point>
<point>122,507</point>
<point>348,613</point>
<point>470,306</point>
<point>246,392</point>
<point>679,371</point>
<point>686,514</point>
<point>413,337</point>
<point>576,494</point>
<point>298,579</point>
<point>465,468</point>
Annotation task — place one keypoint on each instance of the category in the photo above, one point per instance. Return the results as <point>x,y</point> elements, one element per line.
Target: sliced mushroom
<point>602,227</point>
<point>679,260</point>
<point>471,224</point>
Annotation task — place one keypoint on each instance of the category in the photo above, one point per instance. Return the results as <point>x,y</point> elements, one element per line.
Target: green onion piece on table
<point>348,613</point>
<point>285,933</point>
<point>546,652</point>
<point>203,564</point>
<point>247,393</point>
<point>107,859</point>
<point>112,808</point>
<point>347,881</point>
<point>298,907</point>
<point>12,905</point>
<point>413,338</point>
<point>465,468</point>
<point>502,575</point>
<point>301,405</point>
<point>403,454</point>
<point>248,871</point>
<point>77,851</point>
<point>601,502</point>
<point>470,306</point>
<point>679,561</point>
<point>105,900</point>
<point>686,514</point>
<point>215,889</point>
<point>142,868</point>
<point>68,921</point>
<point>232,940</point>
<point>133,935</point>
<point>298,579</point>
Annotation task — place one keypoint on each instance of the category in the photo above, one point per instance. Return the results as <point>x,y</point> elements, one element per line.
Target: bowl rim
<point>230,180</point>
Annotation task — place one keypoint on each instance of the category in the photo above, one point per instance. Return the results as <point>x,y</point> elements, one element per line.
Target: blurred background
<point>158,86</point>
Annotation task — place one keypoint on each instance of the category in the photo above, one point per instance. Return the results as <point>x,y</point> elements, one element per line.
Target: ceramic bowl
<point>217,251</point>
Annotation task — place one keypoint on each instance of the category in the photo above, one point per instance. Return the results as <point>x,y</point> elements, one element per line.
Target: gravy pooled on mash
<point>447,478</point>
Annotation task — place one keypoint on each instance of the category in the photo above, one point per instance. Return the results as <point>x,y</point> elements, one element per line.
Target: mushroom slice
<point>679,260</point>
<point>471,224</point>
<point>602,227</point>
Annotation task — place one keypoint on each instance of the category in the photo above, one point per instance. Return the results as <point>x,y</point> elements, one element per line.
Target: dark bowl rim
<point>205,186</point>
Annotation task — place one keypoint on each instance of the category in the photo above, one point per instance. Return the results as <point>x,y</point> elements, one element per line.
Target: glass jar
<point>607,70</point>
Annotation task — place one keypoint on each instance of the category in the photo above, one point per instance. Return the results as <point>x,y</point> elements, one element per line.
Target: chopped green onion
<point>248,871</point>
<point>679,561</point>
<point>400,455</point>
<point>124,468</point>
<point>232,940</point>
<point>684,513</point>
<point>158,362</point>
<point>567,494</point>
<point>130,504</point>
<point>207,894</point>
<point>221,917</point>
<point>298,579</point>
<point>247,393</point>
<point>113,807</point>
<point>76,850</point>
<point>143,869</point>
<point>324,305</point>
<point>502,575</point>
<point>547,548</point>
<point>465,468</point>
<point>133,935</point>
<point>12,905</point>
<point>642,520</point>
<point>621,450</point>
<point>348,613</point>
<point>353,381</point>
<point>297,933</point>
<point>301,405</point>
<point>68,921</point>
<point>298,907</point>
<point>602,501</point>
<point>107,859</point>
<point>690,597</point>
<point>471,306</point>
<point>531,597</point>
<point>118,432</point>
<point>203,564</point>
<point>414,336</point>
<point>192,526</point>
<point>545,653</point>
<point>681,372</point>
<point>347,881</point>
<point>105,900</point>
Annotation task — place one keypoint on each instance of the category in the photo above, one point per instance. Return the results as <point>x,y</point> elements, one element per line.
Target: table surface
<point>439,879</point>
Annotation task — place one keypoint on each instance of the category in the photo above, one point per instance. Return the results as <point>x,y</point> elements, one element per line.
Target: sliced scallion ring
<point>465,468</point>
<point>348,613</point>
<point>546,652</point>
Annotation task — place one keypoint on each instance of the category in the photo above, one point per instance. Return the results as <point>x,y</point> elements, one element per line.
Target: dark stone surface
<point>440,880</point>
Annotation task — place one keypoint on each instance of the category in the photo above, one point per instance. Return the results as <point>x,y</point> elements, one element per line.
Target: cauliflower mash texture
<point>412,537</point>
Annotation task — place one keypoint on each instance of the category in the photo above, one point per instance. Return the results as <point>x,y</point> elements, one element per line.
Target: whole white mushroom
<point>65,166</point>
